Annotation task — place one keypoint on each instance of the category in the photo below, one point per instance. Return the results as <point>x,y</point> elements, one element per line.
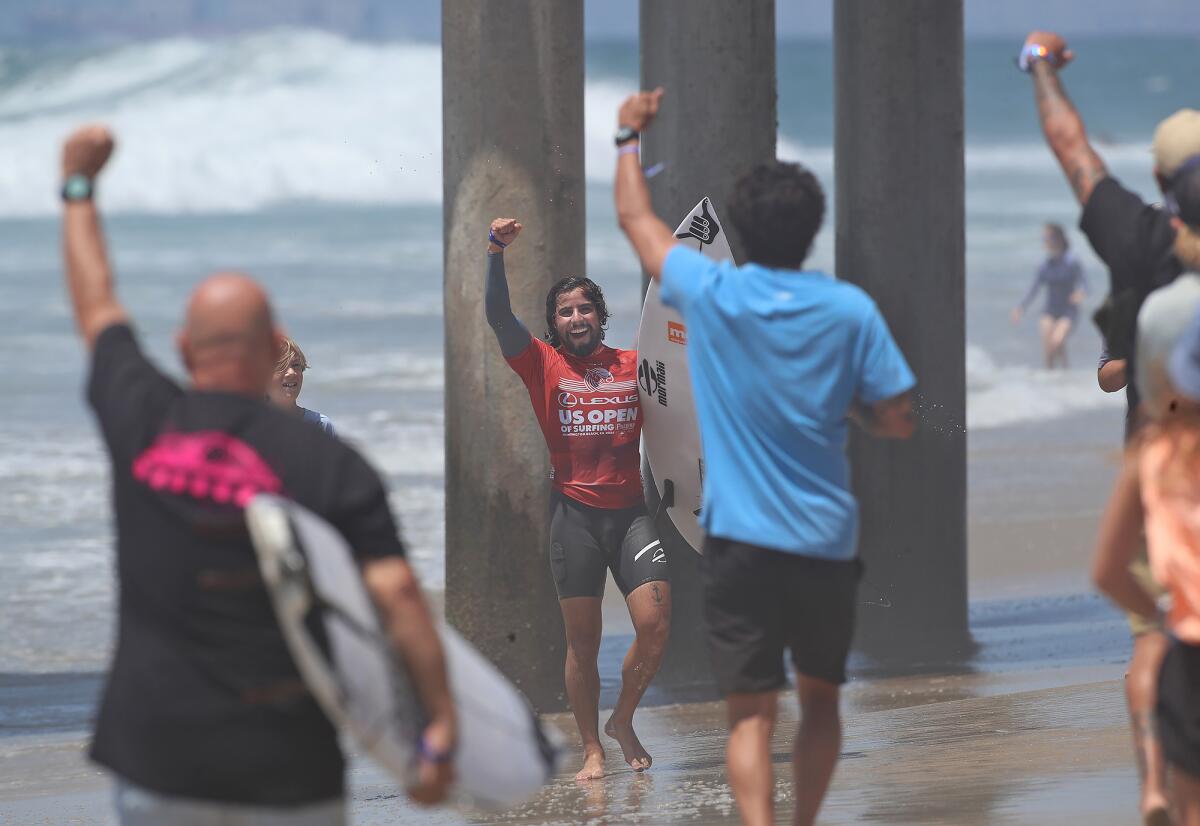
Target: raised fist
<point>638,111</point>
<point>1054,44</point>
<point>87,150</point>
<point>505,230</point>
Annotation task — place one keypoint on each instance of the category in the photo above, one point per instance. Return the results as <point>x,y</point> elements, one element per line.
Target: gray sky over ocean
<point>31,21</point>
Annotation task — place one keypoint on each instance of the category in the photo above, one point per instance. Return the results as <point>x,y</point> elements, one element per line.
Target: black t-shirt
<point>1137,242</point>
<point>203,699</point>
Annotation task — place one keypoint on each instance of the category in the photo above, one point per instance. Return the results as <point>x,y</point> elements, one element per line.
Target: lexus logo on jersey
<point>595,377</point>
<point>567,400</point>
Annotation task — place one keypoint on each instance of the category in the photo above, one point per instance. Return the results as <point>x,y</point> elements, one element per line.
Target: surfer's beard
<point>583,347</point>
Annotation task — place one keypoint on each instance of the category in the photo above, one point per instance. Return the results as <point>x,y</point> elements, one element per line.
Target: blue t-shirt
<point>319,419</point>
<point>777,357</point>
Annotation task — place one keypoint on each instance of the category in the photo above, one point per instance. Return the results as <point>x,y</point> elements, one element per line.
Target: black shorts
<point>586,543</point>
<point>1178,711</point>
<point>758,602</point>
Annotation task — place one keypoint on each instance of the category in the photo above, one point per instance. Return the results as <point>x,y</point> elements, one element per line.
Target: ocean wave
<point>234,125</point>
<point>241,124</point>
<point>1000,395</point>
<point>390,371</point>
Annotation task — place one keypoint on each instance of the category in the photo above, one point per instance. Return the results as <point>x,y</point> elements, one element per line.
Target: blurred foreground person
<point>1139,244</point>
<point>1159,488</point>
<point>204,718</point>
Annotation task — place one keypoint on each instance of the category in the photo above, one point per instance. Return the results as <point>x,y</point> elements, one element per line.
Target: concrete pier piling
<point>716,60</point>
<point>512,98</point>
<point>900,235</point>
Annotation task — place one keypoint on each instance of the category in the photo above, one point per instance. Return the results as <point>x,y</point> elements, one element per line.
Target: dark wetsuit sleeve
<point>510,332</point>
<point>1033,288</point>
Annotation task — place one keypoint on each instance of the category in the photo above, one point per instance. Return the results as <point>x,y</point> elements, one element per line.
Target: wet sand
<point>1030,729</point>
<point>965,749</point>
<point>912,754</point>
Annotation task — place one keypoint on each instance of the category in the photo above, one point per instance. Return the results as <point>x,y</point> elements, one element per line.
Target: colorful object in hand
<point>1035,53</point>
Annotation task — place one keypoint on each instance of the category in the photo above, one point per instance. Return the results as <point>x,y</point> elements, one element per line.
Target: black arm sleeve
<point>360,510</point>
<point>128,394</point>
<point>1110,220</point>
<point>510,332</point>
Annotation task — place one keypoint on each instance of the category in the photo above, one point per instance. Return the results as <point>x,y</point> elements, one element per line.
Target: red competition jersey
<point>590,415</point>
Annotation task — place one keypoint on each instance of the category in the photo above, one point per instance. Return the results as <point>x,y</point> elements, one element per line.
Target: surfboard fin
<point>667,500</point>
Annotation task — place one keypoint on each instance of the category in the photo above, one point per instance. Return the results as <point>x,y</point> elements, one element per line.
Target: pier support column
<point>716,60</point>
<point>512,113</point>
<point>899,183</point>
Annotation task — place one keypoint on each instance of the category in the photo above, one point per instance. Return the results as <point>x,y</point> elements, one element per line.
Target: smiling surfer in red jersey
<point>584,394</point>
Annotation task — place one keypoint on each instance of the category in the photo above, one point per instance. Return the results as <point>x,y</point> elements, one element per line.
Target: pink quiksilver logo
<point>206,465</point>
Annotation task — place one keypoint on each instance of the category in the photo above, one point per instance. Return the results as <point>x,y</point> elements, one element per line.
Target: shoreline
<point>1045,746</point>
<point>1033,654</point>
<point>1042,640</point>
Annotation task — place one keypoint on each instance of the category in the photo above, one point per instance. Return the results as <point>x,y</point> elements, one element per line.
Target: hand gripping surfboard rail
<point>504,754</point>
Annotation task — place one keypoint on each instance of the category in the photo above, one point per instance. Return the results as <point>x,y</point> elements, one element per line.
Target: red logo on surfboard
<point>676,333</point>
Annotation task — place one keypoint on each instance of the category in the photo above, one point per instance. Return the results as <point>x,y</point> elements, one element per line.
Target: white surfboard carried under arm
<point>670,433</point>
<point>503,755</point>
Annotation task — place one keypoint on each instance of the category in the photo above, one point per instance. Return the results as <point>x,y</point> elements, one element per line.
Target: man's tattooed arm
<point>1065,133</point>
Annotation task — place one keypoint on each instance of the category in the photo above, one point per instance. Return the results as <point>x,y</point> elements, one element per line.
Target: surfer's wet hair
<point>591,291</point>
<point>777,209</point>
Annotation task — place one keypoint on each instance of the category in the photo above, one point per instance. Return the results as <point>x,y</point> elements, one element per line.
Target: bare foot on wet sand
<point>635,754</point>
<point>593,765</point>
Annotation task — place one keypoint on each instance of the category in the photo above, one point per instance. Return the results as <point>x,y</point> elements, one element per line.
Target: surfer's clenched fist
<point>638,111</point>
<point>503,232</point>
<point>87,150</point>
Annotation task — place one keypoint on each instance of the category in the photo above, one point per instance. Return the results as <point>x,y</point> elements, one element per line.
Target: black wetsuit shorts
<point>587,542</point>
<point>759,603</point>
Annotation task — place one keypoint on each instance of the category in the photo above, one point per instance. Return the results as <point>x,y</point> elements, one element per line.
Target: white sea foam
<point>234,125</point>
<point>391,371</point>
<point>999,395</point>
<point>240,124</point>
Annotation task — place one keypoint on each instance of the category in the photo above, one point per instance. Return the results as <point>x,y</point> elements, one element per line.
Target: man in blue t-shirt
<point>780,360</point>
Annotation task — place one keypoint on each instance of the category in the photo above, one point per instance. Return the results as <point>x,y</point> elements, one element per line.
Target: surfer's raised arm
<point>513,336</point>
<point>651,238</point>
<point>89,276</point>
<point>1043,55</point>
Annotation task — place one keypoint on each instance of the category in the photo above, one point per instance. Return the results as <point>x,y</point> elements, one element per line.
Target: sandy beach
<point>1030,729</point>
